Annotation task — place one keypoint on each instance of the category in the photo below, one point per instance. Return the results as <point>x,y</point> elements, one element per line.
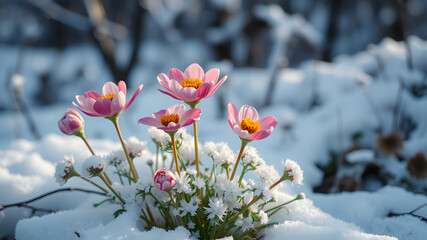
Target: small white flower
<point>189,207</point>
<point>186,150</point>
<point>245,223</point>
<point>191,225</point>
<point>263,189</point>
<point>63,169</point>
<point>191,171</point>
<point>117,159</point>
<point>230,190</point>
<point>183,183</point>
<point>216,208</point>
<point>158,136</point>
<point>220,153</point>
<point>250,155</point>
<point>267,174</point>
<point>199,183</point>
<point>263,217</point>
<point>135,147</point>
<point>293,170</point>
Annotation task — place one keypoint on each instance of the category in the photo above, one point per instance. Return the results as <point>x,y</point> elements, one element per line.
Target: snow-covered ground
<point>305,135</point>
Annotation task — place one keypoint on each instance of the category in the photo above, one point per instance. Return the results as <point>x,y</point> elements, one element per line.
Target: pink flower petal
<point>248,112</point>
<point>118,104</point>
<point>242,133</point>
<point>76,113</point>
<point>164,80</point>
<point>188,94</point>
<point>92,94</point>
<point>204,90</point>
<point>232,112</point>
<point>213,90</point>
<point>102,107</point>
<point>122,87</point>
<point>176,109</point>
<point>211,76</point>
<point>159,114</point>
<point>109,87</point>
<point>262,134</point>
<point>194,71</point>
<point>92,114</point>
<point>150,121</point>
<point>170,94</point>
<point>190,115</point>
<point>138,90</point>
<point>267,122</point>
<point>176,74</point>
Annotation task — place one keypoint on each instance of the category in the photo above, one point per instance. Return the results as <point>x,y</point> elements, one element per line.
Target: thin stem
<point>175,156</point>
<point>242,148</point>
<point>87,144</point>
<point>131,166</point>
<point>228,171</point>
<point>196,148</point>
<point>276,183</point>
<point>150,215</point>
<point>176,207</point>
<point>111,188</point>
<point>93,183</point>
<point>157,156</point>
<point>243,173</point>
<point>107,178</point>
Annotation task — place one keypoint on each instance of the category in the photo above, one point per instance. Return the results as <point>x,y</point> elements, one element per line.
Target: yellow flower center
<point>191,82</point>
<point>250,126</point>
<point>108,96</point>
<point>169,118</point>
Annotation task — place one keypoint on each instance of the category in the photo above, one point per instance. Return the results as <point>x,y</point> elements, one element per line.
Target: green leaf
<point>357,136</point>
<point>119,212</point>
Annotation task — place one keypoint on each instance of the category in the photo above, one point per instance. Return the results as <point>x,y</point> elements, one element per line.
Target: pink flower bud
<point>71,122</point>
<point>164,179</point>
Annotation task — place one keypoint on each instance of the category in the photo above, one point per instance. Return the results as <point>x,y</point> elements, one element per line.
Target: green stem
<point>196,148</point>
<point>112,190</point>
<point>176,207</point>
<point>115,121</point>
<point>93,183</point>
<point>242,148</point>
<point>107,178</point>
<point>157,156</point>
<point>243,173</point>
<point>81,134</point>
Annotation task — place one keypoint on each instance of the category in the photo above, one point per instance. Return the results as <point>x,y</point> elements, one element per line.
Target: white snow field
<point>304,135</point>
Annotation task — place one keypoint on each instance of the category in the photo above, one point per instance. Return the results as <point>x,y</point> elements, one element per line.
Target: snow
<point>305,134</point>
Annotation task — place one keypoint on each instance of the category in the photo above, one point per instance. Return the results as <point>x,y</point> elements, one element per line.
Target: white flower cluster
<point>117,159</point>
<point>220,153</point>
<point>62,169</point>
<point>293,170</point>
<point>158,136</point>
<point>186,150</point>
<point>250,156</point>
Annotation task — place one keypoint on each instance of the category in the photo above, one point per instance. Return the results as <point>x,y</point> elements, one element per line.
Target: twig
<point>25,203</point>
<point>411,213</point>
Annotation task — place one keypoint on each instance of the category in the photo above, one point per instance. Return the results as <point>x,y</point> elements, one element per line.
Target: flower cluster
<point>211,202</point>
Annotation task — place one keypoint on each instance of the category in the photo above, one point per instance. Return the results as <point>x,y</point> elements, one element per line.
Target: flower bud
<point>71,123</point>
<point>164,179</point>
<point>292,172</point>
<point>65,170</point>
<point>93,166</point>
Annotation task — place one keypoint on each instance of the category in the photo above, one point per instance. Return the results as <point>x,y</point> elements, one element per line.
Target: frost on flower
<point>228,189</point>
<point>189,207</point>
<point>117,159</point>
<point>63,170</point>
<point>93,166</point>
<point>245,223</point>
<point>135,147</point>
<point>263,189</point>
<point>183,183</point>
<point>199,183</point>
<point>220,153</point>
<point>293,171</point>
<point>158,136</point>
<point>250,155</point>
<point>267,174</point>
<point>263,217</point>
<point>216,208</point>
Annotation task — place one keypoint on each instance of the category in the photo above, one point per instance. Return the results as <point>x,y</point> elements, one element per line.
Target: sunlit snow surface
<point>27,167</point>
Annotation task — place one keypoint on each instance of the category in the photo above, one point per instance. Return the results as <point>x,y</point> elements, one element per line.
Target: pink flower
<point>71,122</point>
<point>173,118</point>
<point>247,125</point>
<point>191,86</point>
<point>110,103</point>
<point>164,179</point>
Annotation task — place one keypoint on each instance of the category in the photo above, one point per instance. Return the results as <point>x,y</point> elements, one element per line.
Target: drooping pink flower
<point>173,118</point>
<point>191,86</point>
<point>110,103</point>
<point>247,125</point>
<point>71,122</point>
<point>164,179</point>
